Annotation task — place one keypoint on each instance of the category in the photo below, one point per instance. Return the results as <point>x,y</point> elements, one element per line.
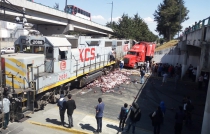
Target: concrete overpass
<point>193,48</point>
<point>51,21</point>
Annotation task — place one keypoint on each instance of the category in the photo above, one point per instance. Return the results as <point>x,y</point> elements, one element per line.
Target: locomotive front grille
<point>126,61</point>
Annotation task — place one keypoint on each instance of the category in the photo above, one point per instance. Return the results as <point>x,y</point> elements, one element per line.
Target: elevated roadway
<point>49,20</point>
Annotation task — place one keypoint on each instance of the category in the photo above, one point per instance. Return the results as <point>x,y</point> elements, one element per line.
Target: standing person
<point>170,71</point>
<point>62,108</point>
<point>157,120</point>
<point>121,64</point>
<point>70,106</point>
<point>163,109</point>
<point>180,116</point>
<point>6,111</point>
<point>135,116</point>
<point>206,80</point>
<point>112,55</point>
<point>147,66</point>
<point>99,114</point>
<point>190,70</point>
<point>164,78</point>
<point>200,82</point>
<point>176,79</point>
<point>194,71</point>
<point>160,69</point>
<point>142,73</point>
<point>123,116</point>
<point>189,109</point>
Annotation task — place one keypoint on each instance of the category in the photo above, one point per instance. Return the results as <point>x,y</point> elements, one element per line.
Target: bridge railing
<point>197,26</point>
<point>62,11</point>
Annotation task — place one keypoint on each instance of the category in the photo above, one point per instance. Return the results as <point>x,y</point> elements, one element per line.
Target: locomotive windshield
<point>131,53</point>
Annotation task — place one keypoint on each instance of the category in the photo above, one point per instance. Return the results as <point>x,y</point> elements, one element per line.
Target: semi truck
<point>139,54</point>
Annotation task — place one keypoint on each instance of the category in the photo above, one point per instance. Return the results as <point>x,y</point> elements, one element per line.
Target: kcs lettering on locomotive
<point>87,54</point>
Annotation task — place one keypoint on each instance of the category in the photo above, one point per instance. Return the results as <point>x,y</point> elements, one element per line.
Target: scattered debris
<point>109,81</point>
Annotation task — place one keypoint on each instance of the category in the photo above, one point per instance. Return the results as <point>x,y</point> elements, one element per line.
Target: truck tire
<point>135,66</point>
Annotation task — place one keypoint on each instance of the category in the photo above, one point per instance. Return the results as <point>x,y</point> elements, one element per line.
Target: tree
<point>169,16</point>
<point>132,28</point>
<point>56,6</point>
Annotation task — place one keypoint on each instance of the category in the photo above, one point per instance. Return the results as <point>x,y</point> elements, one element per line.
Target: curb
<point>74,131</point>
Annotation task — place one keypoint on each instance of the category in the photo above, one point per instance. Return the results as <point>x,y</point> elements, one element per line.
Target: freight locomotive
<point>43,67</point>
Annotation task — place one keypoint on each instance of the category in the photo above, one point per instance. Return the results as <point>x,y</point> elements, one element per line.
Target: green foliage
<point>132,28</point>
<point>169,16</point>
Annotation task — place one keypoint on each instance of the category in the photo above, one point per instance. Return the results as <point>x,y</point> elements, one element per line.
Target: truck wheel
<point>2,52</point>
<point>135,66</point>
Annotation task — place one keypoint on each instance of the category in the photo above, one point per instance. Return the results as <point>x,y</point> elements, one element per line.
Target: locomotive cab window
<point>27,49</point>
<point>62,55</point>
<point>49,52</point>
<point>38,49</point>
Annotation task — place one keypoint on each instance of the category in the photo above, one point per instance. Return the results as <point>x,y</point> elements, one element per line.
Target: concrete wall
<point>173,59</point>
<point>208,34</point>
<point>198,43</point>
<point>7,44</point>
<point>194,38</point>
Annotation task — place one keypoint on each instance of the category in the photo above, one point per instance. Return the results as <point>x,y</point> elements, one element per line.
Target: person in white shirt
<point>6,111</point>
<point>164,78</point>
<point>147,66</point>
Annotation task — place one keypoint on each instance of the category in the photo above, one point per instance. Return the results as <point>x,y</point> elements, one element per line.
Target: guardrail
<point>197,26</point>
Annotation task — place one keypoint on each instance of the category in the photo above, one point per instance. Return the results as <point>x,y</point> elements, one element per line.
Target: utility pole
<point>180,1</point>
<point>111,12</point>
<point>65,6</point>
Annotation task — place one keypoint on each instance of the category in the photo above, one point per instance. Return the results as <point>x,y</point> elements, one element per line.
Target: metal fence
<point>199,25</point>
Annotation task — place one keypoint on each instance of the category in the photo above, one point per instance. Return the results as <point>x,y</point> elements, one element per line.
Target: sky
<point>101,9</point>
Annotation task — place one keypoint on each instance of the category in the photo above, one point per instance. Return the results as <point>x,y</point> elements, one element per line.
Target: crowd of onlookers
<point>167,70</point>
<point>159,69</point>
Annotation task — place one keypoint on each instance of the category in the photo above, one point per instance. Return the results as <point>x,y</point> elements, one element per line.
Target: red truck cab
<point>138,54</point>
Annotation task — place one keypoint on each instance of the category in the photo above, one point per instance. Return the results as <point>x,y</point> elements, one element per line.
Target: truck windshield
<point>131,53</point>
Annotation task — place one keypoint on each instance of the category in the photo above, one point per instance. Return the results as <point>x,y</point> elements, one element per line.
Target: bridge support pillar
<point>184,65</point>
<point>205,57</point>
<point>206,116</point>
<point>68,28</point>
<point>205,66</point>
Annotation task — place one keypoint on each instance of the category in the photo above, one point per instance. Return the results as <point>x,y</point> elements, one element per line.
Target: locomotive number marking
<point>87,54</point>
<point>62,76</point>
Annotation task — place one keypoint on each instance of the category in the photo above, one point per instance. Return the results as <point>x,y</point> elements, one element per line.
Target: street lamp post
<point>111,12</point>
<point>179,16</point>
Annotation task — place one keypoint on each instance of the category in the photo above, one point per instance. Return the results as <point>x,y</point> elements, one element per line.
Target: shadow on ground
<point>87,127</point>
<point>53,121</point>
<point>113,126</point>
<point>153,93</point>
